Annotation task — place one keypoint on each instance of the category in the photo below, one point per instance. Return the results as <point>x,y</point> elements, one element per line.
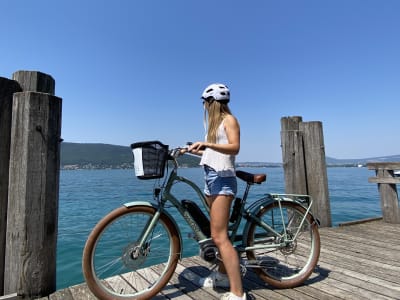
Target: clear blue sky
<point>129,70</point>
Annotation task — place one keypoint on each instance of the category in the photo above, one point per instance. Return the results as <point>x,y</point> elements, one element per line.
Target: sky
<point>134,70</point>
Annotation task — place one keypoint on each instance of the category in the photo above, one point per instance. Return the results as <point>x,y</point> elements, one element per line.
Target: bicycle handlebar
<point>176,152</point>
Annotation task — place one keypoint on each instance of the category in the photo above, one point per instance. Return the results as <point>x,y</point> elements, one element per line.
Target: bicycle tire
<point>109,255</point>
<point>289,266</point>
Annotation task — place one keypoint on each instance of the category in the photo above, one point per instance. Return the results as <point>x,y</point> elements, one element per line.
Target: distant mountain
<point>76,155</point>
<point>361,161</point>
<point>103,156</point>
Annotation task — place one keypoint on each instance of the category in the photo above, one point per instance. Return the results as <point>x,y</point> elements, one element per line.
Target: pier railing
<point>386,180</point>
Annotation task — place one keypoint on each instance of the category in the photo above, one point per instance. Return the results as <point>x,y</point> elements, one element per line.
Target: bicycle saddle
<point>251,178</point>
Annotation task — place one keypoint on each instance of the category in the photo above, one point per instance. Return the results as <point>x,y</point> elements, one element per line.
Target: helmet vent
<point>218,92</point>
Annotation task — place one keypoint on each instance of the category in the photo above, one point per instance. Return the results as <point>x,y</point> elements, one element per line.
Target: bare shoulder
<point>231,120</point>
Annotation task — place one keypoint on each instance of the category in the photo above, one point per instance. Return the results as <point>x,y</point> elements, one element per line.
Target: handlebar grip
<point>190,144</point>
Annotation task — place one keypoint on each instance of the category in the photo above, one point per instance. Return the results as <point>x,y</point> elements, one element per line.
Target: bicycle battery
<point>236,210</point>
<point>198,215</point>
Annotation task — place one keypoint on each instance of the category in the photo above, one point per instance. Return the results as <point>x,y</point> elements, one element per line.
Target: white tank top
<point>224,164</point>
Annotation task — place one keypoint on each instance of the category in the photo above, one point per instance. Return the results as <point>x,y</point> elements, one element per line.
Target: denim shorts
<point>217,185</point>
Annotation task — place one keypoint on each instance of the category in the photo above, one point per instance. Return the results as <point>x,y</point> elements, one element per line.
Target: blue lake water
<point>87,195</point>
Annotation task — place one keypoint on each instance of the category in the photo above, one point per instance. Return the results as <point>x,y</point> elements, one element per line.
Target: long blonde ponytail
<point>216,113</point>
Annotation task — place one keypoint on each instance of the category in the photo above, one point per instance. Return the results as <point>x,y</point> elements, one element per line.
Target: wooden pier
<point>358,261</point>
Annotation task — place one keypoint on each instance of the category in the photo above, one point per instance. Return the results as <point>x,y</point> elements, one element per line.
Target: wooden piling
<point>30,267</point>
<point>303,157</point>
<point>316,174</point>
<point>7,89</point>
<point>293,156</point>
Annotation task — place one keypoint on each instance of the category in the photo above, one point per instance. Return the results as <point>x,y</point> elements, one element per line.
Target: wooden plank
<point>193,273</point>
<point>119,285</point>
<point>176,288</point>
<point>355,222</point>
<point>81,292</point>
<point>387,180</point>
<point>357,283</point>
<point>65,294</point>
<point>383,165</point>
<point>386,287</point>
<point>356,262</point>
<point>376,253</point>
<point>252,284</point>
<point>388,194</point>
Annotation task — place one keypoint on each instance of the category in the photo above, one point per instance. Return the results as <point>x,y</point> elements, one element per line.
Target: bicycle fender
<point>139,203</point>
<point>149,204</point>
<point>252,210</point>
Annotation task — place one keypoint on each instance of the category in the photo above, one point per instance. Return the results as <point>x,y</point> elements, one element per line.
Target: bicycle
<point>279,240</point>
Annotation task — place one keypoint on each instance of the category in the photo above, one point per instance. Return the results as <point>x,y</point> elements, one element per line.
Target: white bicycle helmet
<point>217,91</point>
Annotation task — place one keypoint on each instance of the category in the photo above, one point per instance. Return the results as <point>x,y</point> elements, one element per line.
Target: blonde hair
<point>217,111</point>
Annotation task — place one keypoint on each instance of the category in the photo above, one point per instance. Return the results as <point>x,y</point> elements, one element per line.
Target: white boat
<point>396,173</point>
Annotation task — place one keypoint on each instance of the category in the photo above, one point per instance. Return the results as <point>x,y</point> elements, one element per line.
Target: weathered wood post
<point>316,173</point>
<point>30,267</point>
<point>7,89</point>
<point>387,189</point>
<point>304,164</point>
<point>293,156</point>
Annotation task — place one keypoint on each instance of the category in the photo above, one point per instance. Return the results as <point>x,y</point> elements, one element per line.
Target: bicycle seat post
<point>246,191</point>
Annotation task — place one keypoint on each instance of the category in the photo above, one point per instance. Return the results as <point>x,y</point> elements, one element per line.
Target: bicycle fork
<point>143,244</point>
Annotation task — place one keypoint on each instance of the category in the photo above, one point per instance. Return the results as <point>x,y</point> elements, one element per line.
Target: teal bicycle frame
<point>249,213</point>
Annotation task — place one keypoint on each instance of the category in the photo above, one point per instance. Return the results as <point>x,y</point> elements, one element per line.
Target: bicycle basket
<point>149,159</point>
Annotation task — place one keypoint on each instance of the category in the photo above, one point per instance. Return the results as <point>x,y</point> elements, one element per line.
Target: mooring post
<point>30,267</point>
<point>303,156</point>
<point>293,156</point>
<point>316,173</point>
<point>7,89</point>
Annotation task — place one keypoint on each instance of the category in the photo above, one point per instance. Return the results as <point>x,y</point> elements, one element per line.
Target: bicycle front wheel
<point>116,267</point>
<point>284,262</point>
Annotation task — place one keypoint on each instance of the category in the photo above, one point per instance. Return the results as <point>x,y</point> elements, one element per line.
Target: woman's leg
<point>219,213</point>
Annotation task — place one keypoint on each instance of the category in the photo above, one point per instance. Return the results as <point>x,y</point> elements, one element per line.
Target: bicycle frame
<point>168,196</point>
<point>249,213</point>
<point>279,240</point>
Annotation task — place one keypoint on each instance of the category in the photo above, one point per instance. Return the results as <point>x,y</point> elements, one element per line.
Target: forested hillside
<point>101,156</point>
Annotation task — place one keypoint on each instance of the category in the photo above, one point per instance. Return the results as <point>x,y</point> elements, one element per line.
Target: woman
<point>218,159</point>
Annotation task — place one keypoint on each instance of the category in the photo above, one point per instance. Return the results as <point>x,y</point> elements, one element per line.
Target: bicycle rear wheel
<point>116,268</point>
<point>289,265</point>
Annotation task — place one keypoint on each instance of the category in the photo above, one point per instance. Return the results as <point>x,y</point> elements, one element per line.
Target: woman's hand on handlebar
<point>197,148</point>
